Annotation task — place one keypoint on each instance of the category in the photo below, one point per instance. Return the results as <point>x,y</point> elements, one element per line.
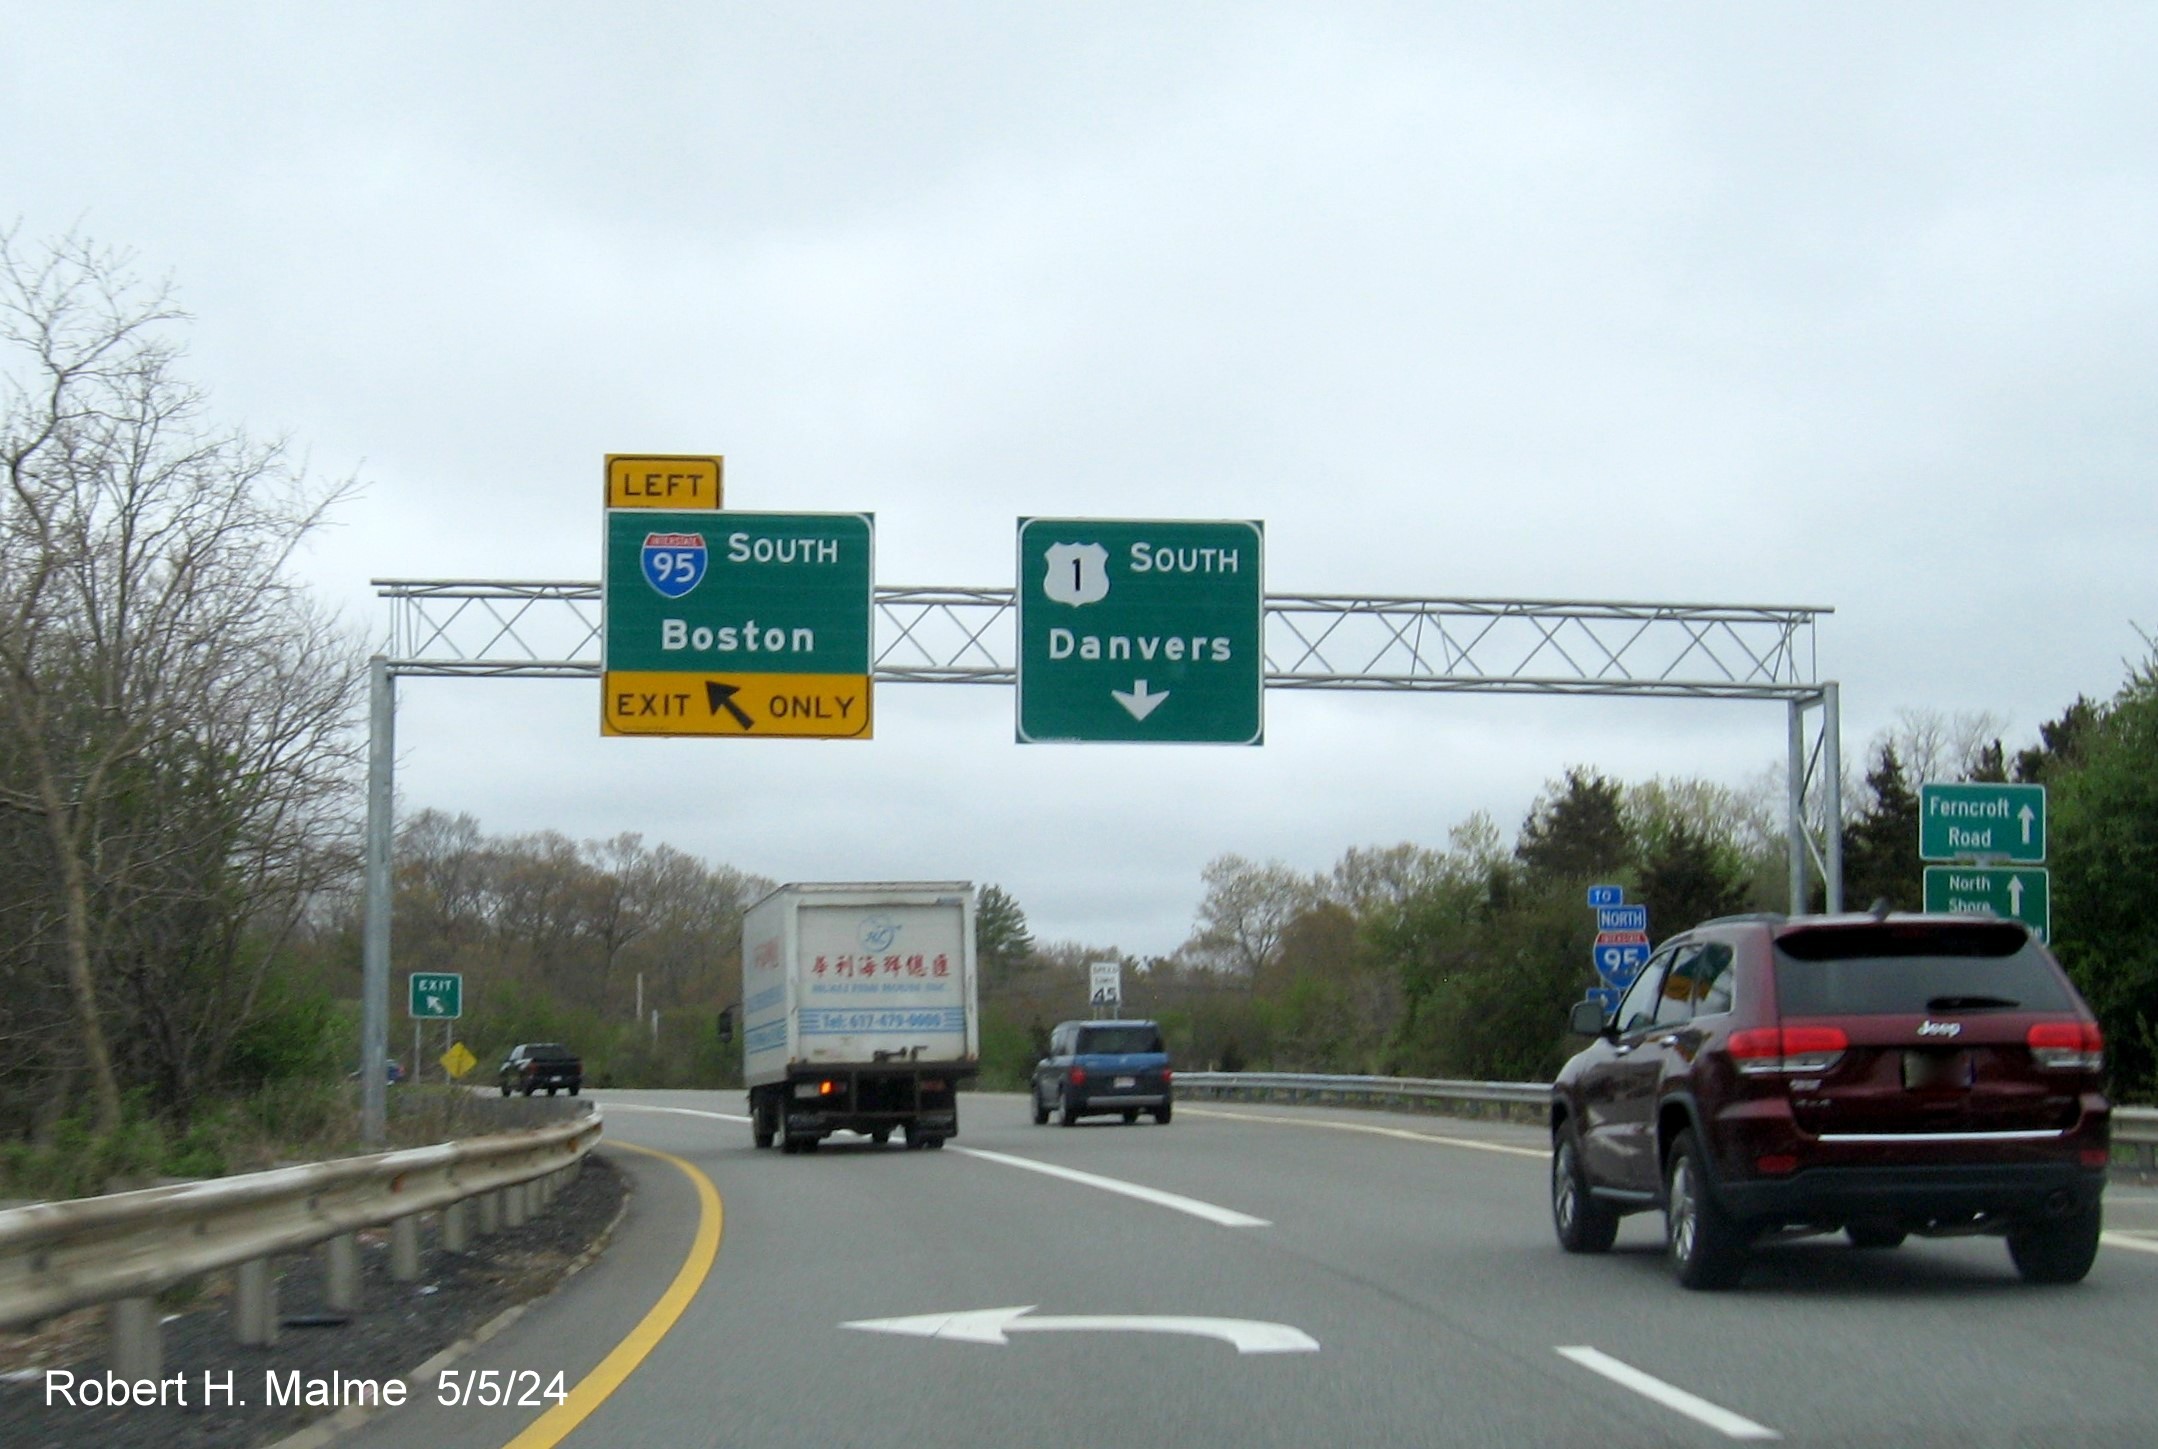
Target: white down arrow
<point>1138,700</point>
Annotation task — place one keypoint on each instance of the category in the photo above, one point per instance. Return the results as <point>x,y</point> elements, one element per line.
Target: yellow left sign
<point>788,706</point>
<point>663,480</point>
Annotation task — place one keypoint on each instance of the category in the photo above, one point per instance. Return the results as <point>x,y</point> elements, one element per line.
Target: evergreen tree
<point>1002,943</point>
<point>1880,847</point>
<point>1575,831</point>
<point>1686,880</point>
<point>2060,743</point>
<point>2105,874</point>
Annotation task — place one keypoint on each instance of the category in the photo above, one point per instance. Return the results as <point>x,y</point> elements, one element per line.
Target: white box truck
<point>858,1011</point>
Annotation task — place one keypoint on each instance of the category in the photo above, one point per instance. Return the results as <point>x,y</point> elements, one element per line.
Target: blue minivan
<point>1095,1068</point>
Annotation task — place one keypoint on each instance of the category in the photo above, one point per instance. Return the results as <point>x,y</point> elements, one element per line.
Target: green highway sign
<point>1141,632</point>
<point>436,997</point>
<point>1976,821</point>
<point>737,624</point>
<point>2015,893</point>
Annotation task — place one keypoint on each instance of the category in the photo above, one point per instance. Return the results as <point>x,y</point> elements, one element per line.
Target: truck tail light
<point>2067,1046</point>
<point>1078,1076</point>
<point>1772,1050</point>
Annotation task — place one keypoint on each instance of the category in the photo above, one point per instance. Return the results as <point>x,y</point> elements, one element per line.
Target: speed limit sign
<point>1105,985</point>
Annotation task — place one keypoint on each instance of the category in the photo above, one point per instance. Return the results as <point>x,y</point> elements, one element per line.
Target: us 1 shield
<point>1078,573</point>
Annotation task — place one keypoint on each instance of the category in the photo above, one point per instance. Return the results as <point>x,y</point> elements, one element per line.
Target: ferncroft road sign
<point>1982,821</point>
<point>1137,631</point>
<point>737,624</point>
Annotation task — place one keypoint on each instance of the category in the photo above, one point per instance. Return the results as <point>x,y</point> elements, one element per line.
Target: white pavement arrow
<point>990,1325</point>
<point>1139,702</point>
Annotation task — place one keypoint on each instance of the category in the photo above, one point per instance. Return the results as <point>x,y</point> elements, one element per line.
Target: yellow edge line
<point>1430,1138</point>
<point>592,1390</point>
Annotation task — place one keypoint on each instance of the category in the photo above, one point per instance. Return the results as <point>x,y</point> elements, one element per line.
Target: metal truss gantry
<point>551,629</point>
<point>495,628</point>
<point>1313,641</point>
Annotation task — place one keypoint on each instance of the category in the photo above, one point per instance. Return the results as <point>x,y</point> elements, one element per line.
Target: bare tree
<point>1246,909</point>
<point>175,707</point>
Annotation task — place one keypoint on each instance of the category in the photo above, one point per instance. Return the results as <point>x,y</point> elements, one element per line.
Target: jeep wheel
<point>1707,1249</point>
<point>1131,1115</point>
<point>1584,1225</point>
<point>505,1086</point>
<point>1161,1115</point>
<point>1067,1111</point>
<point>2056,1250</point>
<point>1041,1110</point>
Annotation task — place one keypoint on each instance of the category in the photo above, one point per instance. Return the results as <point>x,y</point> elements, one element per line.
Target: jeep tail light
<point>1167,1076</point>
<point>1769,1050</point>
<point>2067,1046</point>
<point>1078,1076</point>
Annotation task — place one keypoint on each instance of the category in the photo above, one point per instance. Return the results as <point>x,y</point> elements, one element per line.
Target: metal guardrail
<point>124,1248</point>
<point>1511,1101</point>
<point>2135,1129</point>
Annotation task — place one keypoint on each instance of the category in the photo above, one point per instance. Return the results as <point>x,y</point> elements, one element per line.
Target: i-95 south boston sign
<point>744,624</point>
<point>1144,632</point>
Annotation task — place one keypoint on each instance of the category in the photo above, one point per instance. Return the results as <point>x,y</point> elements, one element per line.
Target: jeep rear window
<point>1915,969</point>
<point>1119,1040</point>
<point>548,1051</point>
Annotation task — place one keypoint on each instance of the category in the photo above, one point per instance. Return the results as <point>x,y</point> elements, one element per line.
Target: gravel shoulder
<point>398,1327</point>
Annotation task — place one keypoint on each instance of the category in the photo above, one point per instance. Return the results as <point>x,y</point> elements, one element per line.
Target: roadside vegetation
<point>180,795</point>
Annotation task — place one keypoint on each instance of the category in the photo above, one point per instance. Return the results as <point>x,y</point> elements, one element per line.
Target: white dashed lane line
<point>1648,1386</point>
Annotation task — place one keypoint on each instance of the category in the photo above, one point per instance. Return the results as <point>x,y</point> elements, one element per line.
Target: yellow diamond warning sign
<point>787,706</point>
<point>458,1059</point>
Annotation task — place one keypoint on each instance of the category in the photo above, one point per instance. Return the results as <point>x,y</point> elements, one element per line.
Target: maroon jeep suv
<point>1878,1075</point>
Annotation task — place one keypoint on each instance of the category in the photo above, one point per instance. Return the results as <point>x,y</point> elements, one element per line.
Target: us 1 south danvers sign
<point>1141,632</point>
<point>748,624</point>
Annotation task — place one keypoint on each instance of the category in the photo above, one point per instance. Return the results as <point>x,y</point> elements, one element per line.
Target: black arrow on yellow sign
<point>718,696</point>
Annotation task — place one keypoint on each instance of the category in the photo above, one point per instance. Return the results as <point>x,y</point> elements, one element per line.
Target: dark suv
<point>534,1064</point>
<point>1880,1075</point>
<point>1098,1067</point>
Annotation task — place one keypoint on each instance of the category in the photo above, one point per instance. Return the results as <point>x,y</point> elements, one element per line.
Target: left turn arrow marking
<point>992,1325</point>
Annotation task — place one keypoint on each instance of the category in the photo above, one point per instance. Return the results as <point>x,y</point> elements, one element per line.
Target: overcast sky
<point>1845,305</point>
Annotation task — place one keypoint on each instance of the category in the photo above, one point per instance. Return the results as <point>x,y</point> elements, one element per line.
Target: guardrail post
<point>490,1213</point>
<point>133,1339</point>
<point>254,1307</point>
<point>405,1249</point>
<point>456,1229</point>
<point>513,1206</point>
<point>341,1273</point>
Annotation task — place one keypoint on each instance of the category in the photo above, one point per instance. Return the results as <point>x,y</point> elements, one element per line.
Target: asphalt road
<point>1288,1277</point>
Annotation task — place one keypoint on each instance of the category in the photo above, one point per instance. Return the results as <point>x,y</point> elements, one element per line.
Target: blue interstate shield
<point>674,562</point>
